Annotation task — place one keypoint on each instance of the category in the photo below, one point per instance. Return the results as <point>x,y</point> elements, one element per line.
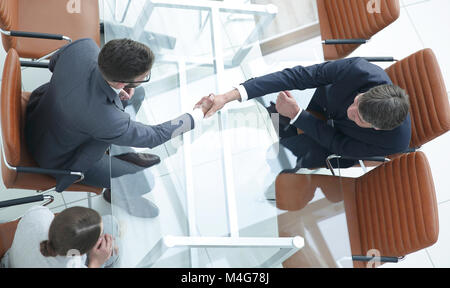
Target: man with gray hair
<point>355,111</point>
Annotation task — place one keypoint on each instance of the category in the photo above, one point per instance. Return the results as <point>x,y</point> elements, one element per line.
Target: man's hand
<point>126,94</point>
<point>101,252</point>
<point>218,101</point>
<point>205,103</point>
<point>286,105</point>
<point>211,104</point>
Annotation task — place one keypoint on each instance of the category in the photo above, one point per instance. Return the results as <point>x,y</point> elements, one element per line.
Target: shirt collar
<point>116,90</point>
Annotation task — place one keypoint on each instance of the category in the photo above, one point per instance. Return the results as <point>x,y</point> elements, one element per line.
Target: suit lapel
<point>118,103</point>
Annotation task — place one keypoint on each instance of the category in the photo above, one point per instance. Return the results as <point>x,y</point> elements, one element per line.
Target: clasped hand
<point>210,104</point>
<point>286,104</point>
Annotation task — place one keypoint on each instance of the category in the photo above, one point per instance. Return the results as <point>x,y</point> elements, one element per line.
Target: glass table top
<point>212,182</point>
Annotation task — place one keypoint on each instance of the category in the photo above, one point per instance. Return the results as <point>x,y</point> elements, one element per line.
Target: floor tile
<point>2,60</point>
<point>97,203</point>
<point>438,158</point>
<point>398,40</point>
<point>428,19</point>
<point>32,78</point>
<point>70,196</point>
<point>310,50</point>
<point>404,3</point>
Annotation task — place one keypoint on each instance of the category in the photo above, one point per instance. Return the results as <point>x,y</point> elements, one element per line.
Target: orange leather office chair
<point>27,25</point>
<point>19,170</point>
<point>346,24</point>
<point>392,208</point>
<point>420,76</point>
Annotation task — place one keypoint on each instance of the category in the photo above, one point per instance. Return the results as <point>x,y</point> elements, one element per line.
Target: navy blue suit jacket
<point>338,83</point>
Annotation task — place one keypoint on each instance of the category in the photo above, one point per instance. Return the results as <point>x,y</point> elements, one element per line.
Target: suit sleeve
<point>123,131</point>
<point>299,77</point>
<point>334,141</point>
<point>54,59</point>
<point>85,44</point>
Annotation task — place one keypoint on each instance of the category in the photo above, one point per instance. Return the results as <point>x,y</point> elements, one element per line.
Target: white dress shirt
<point>244,97</point>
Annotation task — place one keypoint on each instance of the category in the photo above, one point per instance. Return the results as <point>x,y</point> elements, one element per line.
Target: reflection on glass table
<point>212,183</point>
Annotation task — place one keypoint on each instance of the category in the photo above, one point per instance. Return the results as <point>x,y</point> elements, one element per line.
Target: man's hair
<point>124,60</point>
<point>74,228</point>
<point>384,106</point>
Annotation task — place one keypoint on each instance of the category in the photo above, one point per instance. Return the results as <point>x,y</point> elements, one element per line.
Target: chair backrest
<point>8,20</point>
<point>421,77</point>
<point>11,108</point>
<point>393,208</point>
<point>75,19</point>
<point>8,11</point>
<point>353,19</point>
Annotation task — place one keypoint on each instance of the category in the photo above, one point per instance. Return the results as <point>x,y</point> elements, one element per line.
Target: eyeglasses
<point>134,84</point>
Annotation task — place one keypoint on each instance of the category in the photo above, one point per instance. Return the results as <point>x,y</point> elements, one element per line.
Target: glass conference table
<point>211,183</point>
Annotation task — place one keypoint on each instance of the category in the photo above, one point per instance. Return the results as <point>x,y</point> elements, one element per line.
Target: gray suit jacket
<point>72,120</point>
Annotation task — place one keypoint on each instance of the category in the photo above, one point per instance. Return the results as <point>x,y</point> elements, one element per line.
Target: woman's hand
<point>101,252</point>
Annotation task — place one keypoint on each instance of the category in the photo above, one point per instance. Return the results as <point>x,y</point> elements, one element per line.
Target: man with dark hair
<point>363,113</point>
<point>72,120</point>
<point>124,59</point>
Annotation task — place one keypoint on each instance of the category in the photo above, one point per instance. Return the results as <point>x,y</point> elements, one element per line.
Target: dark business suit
<point>72,120</point>
<point>338,83</point>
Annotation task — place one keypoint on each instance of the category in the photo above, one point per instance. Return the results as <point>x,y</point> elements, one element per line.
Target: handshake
<point>286,104</point>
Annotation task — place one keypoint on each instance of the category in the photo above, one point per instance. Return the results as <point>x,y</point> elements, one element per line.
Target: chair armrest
<point>344,41</point>
<point>380,59</point>
<point>34,64</point>
<point>385,259</point>
<point>26,200</point>
<point>371,158</point>
<point>36,35</point>
<point>38,170</point>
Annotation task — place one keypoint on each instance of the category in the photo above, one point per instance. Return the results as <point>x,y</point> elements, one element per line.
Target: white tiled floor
<point>423,23</point>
